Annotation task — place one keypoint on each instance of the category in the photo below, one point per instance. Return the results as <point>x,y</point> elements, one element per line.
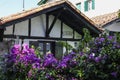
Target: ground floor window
<point>45,46</point>
<point>48,46</point>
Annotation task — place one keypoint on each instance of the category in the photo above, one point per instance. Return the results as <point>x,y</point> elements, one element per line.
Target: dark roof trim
<point>85,21</point>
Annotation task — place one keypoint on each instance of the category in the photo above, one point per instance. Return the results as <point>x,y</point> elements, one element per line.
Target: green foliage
<point>37,51</point>
<point>66,45</point>
<point>86,39</point>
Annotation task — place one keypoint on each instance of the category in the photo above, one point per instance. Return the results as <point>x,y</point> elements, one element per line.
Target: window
<point>78,6</point>
<point>89,5</point>
<point>45,46</point>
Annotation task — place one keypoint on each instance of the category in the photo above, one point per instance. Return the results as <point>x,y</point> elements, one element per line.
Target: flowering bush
<point>97,60</point>
<point>20,62</point>
<point>102,60</point>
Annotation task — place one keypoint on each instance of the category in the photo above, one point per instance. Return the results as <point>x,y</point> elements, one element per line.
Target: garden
<point>98,58</point>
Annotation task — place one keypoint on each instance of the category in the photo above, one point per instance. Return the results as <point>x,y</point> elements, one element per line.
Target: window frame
<point>78,5</point>
<point>89,5</point>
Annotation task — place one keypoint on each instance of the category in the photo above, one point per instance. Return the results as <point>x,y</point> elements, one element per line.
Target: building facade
<point>92,8</point>
<point>47,25</point>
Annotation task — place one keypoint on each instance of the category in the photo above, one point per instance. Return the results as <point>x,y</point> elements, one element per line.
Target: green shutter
<point>93,4</point>
<point>86,6</point>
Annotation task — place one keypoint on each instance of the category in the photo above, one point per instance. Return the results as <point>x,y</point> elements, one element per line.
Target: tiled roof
<point>104,19</point>
<point>23,14</point>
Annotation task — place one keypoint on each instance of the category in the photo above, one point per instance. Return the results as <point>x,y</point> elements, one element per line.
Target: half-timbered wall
<point>38,27</point>
<point>8,30</point>
<point>55,32</point>
<point>21,28</point>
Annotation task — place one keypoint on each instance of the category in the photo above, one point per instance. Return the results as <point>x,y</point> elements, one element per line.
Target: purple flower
<point>67,61</point>
<point>118,46</point>
<point>97,59</point>
<point>15,49</point>
<point>49,60</point>
<point>72,53</point>
<point>36,65</point>
<point>62,65</point>
<point>74,78</point>
<point>30,74</point>
<point>102,39</point>
<point>110,37</point>
<point>17,46</point>
<point>81,53</point>
<point>114,74</point>
<point>91,56</point>
<point>25,46</point>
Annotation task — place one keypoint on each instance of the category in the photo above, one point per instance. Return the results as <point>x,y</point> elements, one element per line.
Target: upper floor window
<point>78,6</point>
<point>89,5</point>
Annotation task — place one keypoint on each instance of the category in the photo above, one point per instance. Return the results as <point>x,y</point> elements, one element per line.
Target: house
<point>92,8</point>
<point>110,21</point>
<point>46,25</point>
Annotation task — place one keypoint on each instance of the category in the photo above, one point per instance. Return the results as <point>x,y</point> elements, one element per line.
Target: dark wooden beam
<point>41,38</point>
<point>44,48</point>
<point>53,23</point>
<point>72,25</point>
<point>13,32</point>
<point>53,47</point>
<point>1,34</point>
<point>29,27</point>
<point>61,34</point>
<point>47,25</point>
<point>22,41</point>
<point>81,18</point>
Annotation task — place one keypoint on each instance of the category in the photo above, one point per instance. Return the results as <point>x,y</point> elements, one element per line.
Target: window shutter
<point>86,6</point>
<point>78,6</point>
<point>42,2</point>
<point>93,4</point>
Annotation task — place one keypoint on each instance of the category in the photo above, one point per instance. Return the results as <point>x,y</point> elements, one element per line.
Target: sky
<point>8,7</point>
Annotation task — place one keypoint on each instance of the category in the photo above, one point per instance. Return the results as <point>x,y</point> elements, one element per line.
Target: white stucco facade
<point>101,7</point>
<point>38,28</point>
<point>115,27</point>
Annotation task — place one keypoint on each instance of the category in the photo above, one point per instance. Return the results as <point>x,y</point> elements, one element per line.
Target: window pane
<point>41,46</point>
<point>34,43</point>
<point>47,47</point>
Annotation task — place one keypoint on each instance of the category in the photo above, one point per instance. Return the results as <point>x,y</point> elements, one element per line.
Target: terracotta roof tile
<point>104,19</point>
